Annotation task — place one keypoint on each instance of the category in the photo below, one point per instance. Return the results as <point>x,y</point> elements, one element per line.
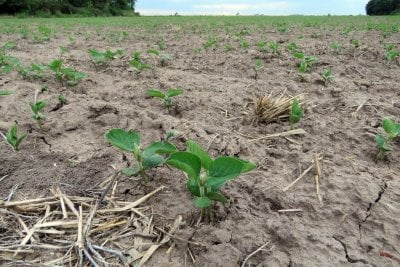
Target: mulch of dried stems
<point>62,230</point>
<point>270,108</point>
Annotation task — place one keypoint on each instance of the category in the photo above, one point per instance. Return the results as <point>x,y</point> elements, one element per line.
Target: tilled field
<point>358,220</point>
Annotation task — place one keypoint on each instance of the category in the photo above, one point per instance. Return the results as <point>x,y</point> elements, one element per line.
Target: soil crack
<point>371,205</point>
<point>348,258</point>
<point>45,141</point>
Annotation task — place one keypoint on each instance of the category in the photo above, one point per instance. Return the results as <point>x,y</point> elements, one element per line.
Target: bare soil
<point>360,215</point>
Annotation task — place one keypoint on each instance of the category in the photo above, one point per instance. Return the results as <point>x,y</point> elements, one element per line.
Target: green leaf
<point>159,148</point>
<point>19,140</point>
<point>155,93</point>
<point>55,65</point>
<point>145,66</point>
<point>5,92</point>
<point>6,69</point>
<point>193,187</point>
<point>154,52</point>
<point>122,139</point>
<point>217,197</point>
<point>381,143</point>
<point>247,165</point>
<point>197,150</point>
<point>13,137</point>
<point>136,56</point>
<point>187,162</point>
<point>296,112</point>
<point>397,130</point>
<point>202,202</point>
<point>135,63</point>
<point>131,171</point>
<point>38,106</point>
<point>174,92</point>
<point>96,55</point>
<point>152,161</point>
<point>388,125</point>
<point>298,55</point>
<point>223,169</point>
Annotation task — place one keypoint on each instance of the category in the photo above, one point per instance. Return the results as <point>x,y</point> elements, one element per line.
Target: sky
<point>251,7</point>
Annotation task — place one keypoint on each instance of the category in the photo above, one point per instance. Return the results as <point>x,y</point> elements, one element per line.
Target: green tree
<point>87,7</point>
<point>382,7</point>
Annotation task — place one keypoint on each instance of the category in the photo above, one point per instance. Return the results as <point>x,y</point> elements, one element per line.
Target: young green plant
<point>148,158</point>
<point>327,76</point>
<point>305,65</point>
<point>296,113</point>
<point>391,53</point>
<point>14,138</point>
<point>257,67</point>
<point>206,176</point>
<point>337,47</point>
<point>102,58</point>
<point>137,64</point>
<point>167,97</point>
<point>274,46</point>
<point>163,58</point>
<point>61,73</point>
<point>37,114</point>
<point>383,142</point>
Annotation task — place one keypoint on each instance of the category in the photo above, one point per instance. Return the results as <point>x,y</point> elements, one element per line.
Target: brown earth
<point>360,215</point>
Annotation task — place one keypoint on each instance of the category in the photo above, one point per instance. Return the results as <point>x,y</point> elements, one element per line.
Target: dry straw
<point>63,230</point>
<point>270,108</point>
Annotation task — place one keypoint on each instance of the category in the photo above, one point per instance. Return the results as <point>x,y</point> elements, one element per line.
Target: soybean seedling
<point>62,100</point>
<point>391,54</point>
<point>102,58</point>
<point>258,65</point>
<point>37,114</point>
<point>13,137</point>
<point>149,158</point>
<point>296,113</point>
<point>7,62</point>
<point>137,64</point>
<point>161,44</point>
<point>327,75</point>
<point>206,176</point>
<point>212,42</point>
<point>292,47</point>
<point>274,46</point>
<point>356,43</point>
<point>262,46</point>
<point>305,65</point>
<point>35,71</point>
<point>167,97</point>
<point>228,48</point>
<point>163,58</point>
<point>336,46</point>
<point>383,142</point>
<point>61,73</point>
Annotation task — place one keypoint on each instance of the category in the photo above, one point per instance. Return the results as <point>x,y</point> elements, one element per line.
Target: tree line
<point>383,7</point>
<point>59,7</point>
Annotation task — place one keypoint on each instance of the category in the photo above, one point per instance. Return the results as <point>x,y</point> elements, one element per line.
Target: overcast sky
<point>250,7</point>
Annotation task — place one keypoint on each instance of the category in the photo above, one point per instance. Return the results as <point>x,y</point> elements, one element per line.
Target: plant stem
<point>142,173</point>
<point>202,194</point>
<point>379,156</point>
